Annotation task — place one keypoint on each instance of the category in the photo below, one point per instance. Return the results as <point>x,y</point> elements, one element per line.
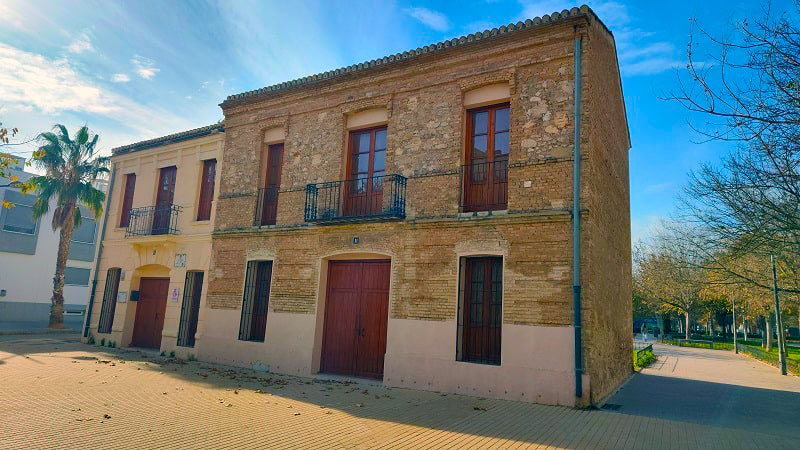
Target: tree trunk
<point>768,321</point>
<point>660,318</point>
<point>57,302</point>
<point>688,333</point>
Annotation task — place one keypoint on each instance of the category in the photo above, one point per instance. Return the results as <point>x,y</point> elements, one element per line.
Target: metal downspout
<point>88,318</point>
<point>576,224</point>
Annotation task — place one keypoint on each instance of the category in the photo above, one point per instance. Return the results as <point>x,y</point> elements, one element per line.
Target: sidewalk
<point>62,394</point>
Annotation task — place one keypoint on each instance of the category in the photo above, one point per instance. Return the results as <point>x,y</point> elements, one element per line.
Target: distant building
<point>28,250</point>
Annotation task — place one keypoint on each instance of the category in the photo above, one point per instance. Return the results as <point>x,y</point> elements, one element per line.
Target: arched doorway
<point>150,307</point>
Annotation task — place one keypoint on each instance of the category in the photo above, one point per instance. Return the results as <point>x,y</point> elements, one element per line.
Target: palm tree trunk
<point>57,302</point>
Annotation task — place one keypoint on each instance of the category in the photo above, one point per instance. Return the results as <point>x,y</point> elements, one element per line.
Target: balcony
<point>153,220</point>
<point>376,198</point>
<point>484,186</point>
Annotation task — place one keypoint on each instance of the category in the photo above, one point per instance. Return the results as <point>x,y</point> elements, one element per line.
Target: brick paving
<point>57,393</point>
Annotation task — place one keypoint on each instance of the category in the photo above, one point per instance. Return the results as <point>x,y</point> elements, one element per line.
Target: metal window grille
<point>109,300</point>
<point>480,315</point>
<point>190,309</point>
<point>255,301</point>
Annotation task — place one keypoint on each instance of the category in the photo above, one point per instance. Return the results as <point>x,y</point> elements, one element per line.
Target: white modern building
<point>28,250</point>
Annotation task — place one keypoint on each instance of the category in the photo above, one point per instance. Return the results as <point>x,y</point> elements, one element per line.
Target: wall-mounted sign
<point>173,294</point>
<point>180,260</point>
<point>122,296</point>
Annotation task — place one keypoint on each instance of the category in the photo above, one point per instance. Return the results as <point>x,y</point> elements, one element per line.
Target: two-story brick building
<point>156,249</point>
<point>410,219</point>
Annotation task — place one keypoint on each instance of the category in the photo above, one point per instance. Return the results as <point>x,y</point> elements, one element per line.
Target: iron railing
<point>267,207</point>
<point>368,198</point>
<point>484,186</point>
<point>153,220</point>
<point>640,352</point>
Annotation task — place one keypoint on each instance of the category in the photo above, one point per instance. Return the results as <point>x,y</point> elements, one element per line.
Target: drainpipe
<point>88,317</point>
<point>576,224</point>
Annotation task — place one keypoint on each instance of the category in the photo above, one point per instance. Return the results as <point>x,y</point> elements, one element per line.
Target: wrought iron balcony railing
<point>484,186</point>
<point>153,220</point>
<point>379,197</point>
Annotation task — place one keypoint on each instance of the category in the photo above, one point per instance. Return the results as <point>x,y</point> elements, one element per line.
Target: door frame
<point>323,296</point>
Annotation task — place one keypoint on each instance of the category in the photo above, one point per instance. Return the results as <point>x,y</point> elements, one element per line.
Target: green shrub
<point>163,353</point>
<point>192,357</point>
<point>90,341</point>
<point>172,354</point>
<point>103,342</point>
<point>645,358</point>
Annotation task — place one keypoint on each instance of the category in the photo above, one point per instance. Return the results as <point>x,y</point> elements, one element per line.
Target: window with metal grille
<point>480,314</point>
<point>109,300</point>
<point>255,301</point>
<point>190,308</point>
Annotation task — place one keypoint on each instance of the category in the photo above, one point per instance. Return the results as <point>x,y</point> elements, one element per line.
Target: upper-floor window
<point>127,200</point>
<point>485,173</point>
<point>207,189</point>
<point>19,219</point>
<point>366,170</point>
<point>86,231</point>
<point>271,166</point>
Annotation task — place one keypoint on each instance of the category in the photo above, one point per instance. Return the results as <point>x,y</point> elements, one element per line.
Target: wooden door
<point>150,310</point>
<point>373,316</point>
<point>367,170</point>
<point>272,183</point>
<point>164,197</point>
<point>486,170</point>
<point>356,315</point>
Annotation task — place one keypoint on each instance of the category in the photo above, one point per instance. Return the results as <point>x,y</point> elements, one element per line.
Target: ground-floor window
<point>480,309</point>
<point>190,309</point>
<point>255,301</point>
<point>109,300</point>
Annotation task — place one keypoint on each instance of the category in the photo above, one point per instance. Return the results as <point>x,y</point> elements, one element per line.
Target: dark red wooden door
<point>272,183</point>
<point>150,311</point>
<point>482,309</point>
<point>367,169</point>
<point>356,314</point>
<point>164,197</point>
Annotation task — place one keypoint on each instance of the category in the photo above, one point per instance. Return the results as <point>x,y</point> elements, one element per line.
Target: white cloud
<point>31,81</point>
<point>81,44</point>
<point>429,18</point>
<point>144,67</point>
<point>120,78</point>
<point>637,54</point>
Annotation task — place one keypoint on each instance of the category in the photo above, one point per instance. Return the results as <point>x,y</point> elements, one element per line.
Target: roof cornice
<point>583,11</point>
<point>170,139</point>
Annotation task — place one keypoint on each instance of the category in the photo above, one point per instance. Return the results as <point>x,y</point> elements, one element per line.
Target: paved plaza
<point>58,393</point>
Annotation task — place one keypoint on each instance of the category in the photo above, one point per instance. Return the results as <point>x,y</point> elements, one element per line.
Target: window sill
<point>479,363</point>
<point>498,212</point>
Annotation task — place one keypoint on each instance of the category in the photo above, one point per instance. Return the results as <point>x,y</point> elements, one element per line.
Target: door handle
<point>362,332</point>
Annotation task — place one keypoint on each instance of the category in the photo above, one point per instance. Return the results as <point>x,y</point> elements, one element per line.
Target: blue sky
<point>140,69</point>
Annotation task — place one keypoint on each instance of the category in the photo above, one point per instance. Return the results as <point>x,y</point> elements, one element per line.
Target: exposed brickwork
<point>425,143</point>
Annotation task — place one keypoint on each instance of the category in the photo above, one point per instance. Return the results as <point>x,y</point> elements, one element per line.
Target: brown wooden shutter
<point>207,189</point>
<point>127,199</point>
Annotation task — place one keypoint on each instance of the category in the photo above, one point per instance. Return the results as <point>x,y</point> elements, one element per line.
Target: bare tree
<point>749,94</point>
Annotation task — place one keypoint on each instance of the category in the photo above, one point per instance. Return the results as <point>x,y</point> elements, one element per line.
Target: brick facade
<point>423,97</point>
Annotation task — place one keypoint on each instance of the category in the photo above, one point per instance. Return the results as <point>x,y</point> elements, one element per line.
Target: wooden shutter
<point>127,199</point>
<point>207,189</point>
<point>109,300</point>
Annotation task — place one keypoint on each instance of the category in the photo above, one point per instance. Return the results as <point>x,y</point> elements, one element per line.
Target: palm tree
<point>71,168</point>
